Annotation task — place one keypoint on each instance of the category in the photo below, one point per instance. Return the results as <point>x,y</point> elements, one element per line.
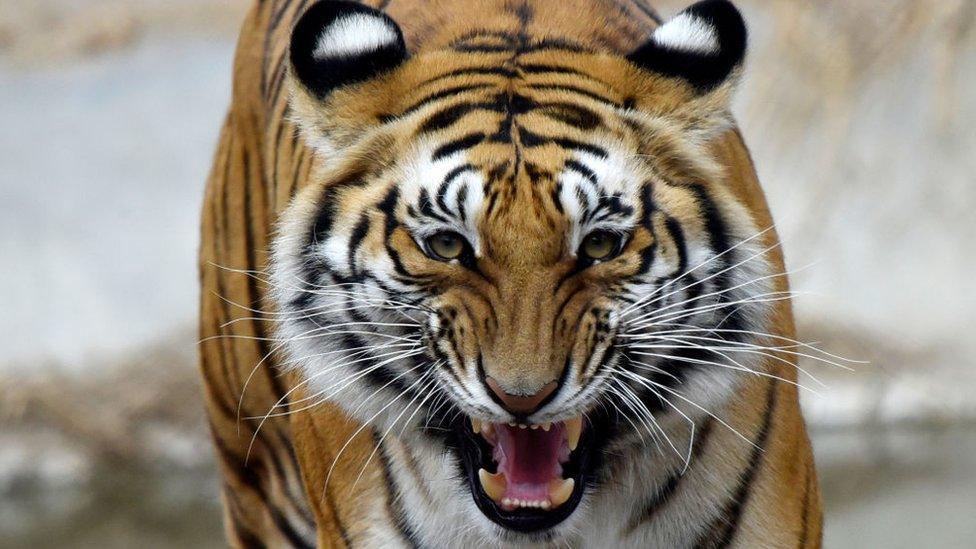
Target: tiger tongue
<point>530,459</point>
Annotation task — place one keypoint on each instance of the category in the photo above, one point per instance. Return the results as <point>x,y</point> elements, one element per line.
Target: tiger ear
<point>702,45</point>
<point>336,43</point>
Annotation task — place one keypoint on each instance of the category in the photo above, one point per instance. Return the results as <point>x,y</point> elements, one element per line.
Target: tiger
<point>497,273</point>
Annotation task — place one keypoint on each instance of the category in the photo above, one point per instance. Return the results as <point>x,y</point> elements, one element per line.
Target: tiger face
<point>503,240</point>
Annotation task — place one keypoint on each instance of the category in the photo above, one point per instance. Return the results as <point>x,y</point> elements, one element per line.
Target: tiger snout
<point>524,357</point>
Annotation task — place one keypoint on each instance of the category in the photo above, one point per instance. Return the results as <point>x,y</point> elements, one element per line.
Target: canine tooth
<point>546,426</point>
<point>559,491</point>
<point>493,485</point>
<point>475,425</point>
<point>573,429</point>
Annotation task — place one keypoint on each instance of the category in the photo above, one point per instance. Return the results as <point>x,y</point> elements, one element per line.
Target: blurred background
<point>860,117</point>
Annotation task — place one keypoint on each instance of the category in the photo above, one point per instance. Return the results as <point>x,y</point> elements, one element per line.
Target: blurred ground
<point>859,117</point>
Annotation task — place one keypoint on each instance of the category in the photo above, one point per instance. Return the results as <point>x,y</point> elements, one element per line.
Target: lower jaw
<point>475,454</point>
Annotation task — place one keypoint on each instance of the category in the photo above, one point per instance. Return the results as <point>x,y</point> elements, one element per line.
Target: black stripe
<point>576,90</point>
<point>471,71</point>
<point>541,45</point>
<point>327,212</point>
<point>576,116</point>
<point>427,207</point>
<point>723,529</point>
<point>253,476</point>
<point>456,172</point>
<point>456,145</point>
<point>246,538</point>
<point>805,514</point>
<point>355,239</point>
<point>670,486</point>
<point>538,68</point>
<point>714,223</point>
<point>459,199</point>
<point>445,93</point>
<point>393,507</point>
<point>387,206</point>
<point>677,235</point>
<point>648,208</point>
<point>530,139</point>
<point>451,115</point>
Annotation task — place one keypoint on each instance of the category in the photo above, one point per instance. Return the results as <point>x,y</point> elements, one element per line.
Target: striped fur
<point>522,126</point>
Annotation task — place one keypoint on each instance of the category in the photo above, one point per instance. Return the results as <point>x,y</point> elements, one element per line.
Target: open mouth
<point>526,477</point>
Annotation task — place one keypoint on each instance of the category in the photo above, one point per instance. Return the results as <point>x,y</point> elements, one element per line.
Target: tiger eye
<point>446,245</point>
<point>600,245</point>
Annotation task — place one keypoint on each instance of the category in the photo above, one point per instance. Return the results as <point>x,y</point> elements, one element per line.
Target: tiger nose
<point>521,404</point>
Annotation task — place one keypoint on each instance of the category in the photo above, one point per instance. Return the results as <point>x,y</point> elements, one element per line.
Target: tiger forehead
<point>521,120</point>
<point>519,82</point>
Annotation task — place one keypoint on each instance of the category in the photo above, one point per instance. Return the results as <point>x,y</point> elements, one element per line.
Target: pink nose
<point>521,404</point>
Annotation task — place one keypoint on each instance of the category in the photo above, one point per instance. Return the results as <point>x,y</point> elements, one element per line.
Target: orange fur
<point>275,469</point>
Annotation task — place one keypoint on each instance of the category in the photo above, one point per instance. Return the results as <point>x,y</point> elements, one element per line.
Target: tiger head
<point>509,244</point>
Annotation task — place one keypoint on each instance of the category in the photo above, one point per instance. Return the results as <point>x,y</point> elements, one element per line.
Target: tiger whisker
<point>399,354</point>
<point>721,352</point>
<point>376,446</point>
<point>687,456</point>
<point>639,303</point>
<point>431,389</point>
<point>364,349</point>
<point>277,404</point>
<point>692,403</point>
<point>715,293</point>
<point>745,347</point>
<point>713,275</point>
<point>807,345</point>
<point>646,412</point>
<point>768,297</point>
<point>331,390</point>
<point>315,333</point>
<point>739,346</point>
<point>629,400</point>
<point>614,392</point>
<point>271,316</point>
<point>254,370</point>
<point>364,425</point>
<point>737,367</point>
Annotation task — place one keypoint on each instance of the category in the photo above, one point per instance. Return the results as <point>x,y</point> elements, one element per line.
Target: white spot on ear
<point>687,33</point>
<point>354,35</point>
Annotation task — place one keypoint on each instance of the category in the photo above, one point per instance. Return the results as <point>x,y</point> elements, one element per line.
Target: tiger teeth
<point>573,429</point>
<point>560,490</point>
<point>510,504</point>
<point>493,485</point>
<point>475,426</point>
<point>546,426</point>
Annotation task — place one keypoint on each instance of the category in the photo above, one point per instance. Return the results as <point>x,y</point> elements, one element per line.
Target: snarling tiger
<point>497,273</point>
